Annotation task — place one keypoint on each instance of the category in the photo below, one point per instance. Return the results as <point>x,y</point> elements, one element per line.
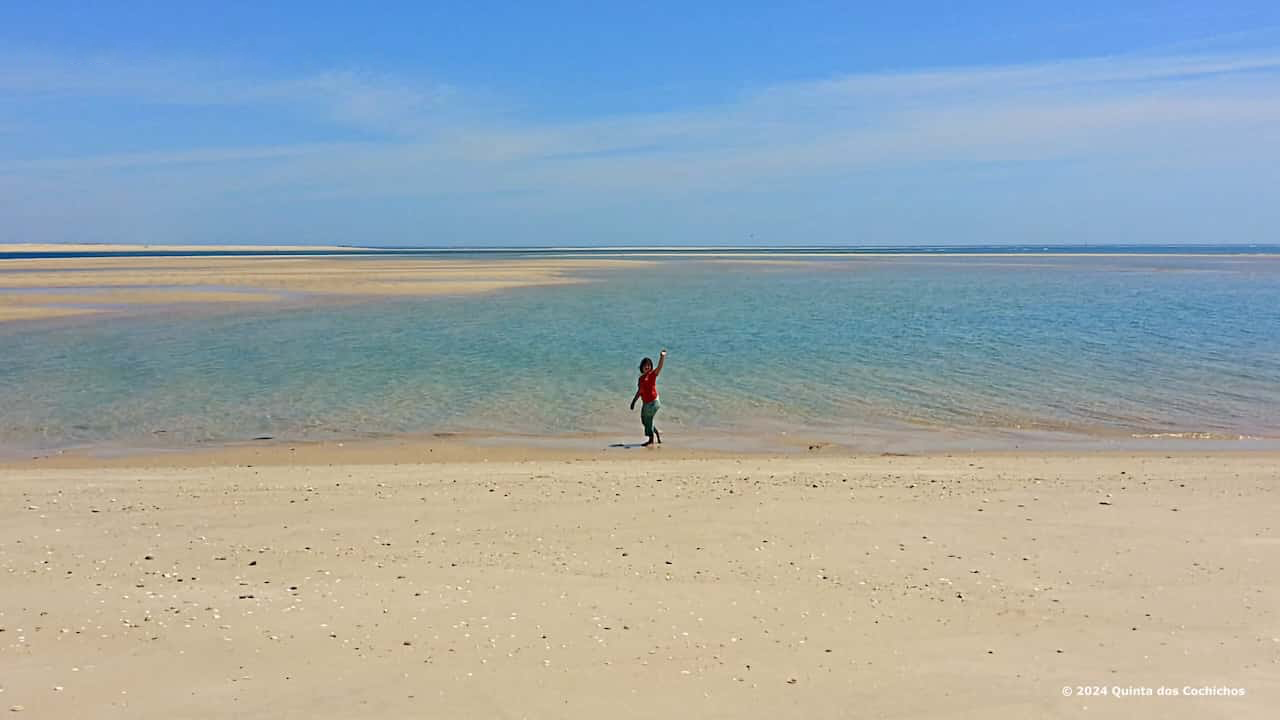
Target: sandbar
<point>125,247</point>
<point>32,284</point>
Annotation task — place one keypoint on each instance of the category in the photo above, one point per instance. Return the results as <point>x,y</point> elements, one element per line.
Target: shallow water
<point>1115,346</point>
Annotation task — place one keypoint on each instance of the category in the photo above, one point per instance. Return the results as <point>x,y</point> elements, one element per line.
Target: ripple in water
<point>1179,347</point>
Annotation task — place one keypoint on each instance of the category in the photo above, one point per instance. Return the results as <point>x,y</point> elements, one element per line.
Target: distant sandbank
<point>43,288</point>
<point>114,247</point>
<point>46,288</point>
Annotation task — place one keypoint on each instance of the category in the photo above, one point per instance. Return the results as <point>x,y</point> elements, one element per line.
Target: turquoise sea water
<point>1096,347</point>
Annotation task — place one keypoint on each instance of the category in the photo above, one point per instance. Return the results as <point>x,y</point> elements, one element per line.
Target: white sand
<point>640,587</point>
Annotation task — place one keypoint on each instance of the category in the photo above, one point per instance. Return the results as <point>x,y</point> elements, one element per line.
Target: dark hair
<point>646,360</point>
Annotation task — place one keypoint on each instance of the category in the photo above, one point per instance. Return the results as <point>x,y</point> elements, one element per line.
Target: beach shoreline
<point>481,446</point>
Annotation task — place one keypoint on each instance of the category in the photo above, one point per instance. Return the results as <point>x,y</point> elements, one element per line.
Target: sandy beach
<point>327,582</point>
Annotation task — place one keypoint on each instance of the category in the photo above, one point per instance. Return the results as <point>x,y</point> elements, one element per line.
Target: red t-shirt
<point>648,386</point>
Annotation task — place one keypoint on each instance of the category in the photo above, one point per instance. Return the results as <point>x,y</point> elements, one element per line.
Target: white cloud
<point>353,97</point>
<point>1177,112</point>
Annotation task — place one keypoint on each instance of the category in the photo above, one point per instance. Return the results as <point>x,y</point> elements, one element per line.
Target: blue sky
<point>676,123</point>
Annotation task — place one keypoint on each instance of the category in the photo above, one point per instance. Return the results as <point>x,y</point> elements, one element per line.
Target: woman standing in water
<point>647,391</point>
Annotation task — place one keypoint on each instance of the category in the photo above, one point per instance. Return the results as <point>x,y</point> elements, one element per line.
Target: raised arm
<point>662,358</point>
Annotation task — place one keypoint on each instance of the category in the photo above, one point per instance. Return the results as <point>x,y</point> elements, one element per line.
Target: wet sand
<point>116,248</point>
<point>33,289</point>
<point>318,583</point>
<point>20,311</point>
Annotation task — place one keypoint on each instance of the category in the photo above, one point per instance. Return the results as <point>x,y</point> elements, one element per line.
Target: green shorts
<point>647,411</point>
